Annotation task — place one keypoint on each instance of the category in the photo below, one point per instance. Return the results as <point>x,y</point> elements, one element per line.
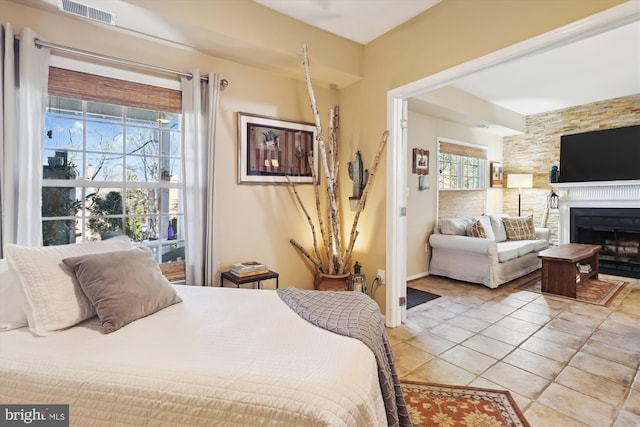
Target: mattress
<point>224,357</point>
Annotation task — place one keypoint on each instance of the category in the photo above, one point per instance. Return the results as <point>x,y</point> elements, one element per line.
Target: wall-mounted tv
<point>603,155</point>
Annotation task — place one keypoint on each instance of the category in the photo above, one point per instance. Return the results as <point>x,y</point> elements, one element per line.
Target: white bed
<point>223,356</point>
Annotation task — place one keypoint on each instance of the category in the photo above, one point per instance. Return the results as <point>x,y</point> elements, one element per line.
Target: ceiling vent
<point>86,11</point>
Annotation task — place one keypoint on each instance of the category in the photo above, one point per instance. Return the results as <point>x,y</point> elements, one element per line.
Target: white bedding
<point>225,356</point>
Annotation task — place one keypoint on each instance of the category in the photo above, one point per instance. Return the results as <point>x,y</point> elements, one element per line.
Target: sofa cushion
<point>507,251</point>
<point>457,226</point>
<point>525,248</point>
<point>497,225</point>
<point>540,245</point>
<point>520,228</point>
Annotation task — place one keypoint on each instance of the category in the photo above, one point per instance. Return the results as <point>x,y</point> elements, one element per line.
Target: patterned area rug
<point>592,291</point>
<point>453,406</point>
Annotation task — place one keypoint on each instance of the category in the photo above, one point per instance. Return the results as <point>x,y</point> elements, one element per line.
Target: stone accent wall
<point>457,203</point>
<point>539,149</point>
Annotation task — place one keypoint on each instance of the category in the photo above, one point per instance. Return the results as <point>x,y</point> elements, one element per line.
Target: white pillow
<point>457,226</point>
<point>55,301</point>
<point>498,227</point>
<point>12,300</point>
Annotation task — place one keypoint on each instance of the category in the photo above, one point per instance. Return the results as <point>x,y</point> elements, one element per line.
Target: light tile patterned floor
<point>566,363</point>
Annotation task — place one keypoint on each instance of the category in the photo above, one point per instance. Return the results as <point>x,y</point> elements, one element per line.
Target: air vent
<point>87,11</point>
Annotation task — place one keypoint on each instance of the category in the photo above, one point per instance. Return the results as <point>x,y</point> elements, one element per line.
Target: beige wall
<point>256,222</point>
<point>450,33</point>
<point>422,206</point>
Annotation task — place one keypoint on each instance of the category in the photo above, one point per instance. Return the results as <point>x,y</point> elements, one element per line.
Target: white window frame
<point>482,171</point>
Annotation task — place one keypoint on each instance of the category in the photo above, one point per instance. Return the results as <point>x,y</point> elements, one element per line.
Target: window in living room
<point>461,167</point>
<point>112,163</point>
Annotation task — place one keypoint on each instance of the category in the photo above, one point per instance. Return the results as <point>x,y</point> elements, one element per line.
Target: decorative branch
<point>337,258</point>
<point>323,233</point>
<point>334,232</point>
<point>304,252</point>
<point>313,228</point>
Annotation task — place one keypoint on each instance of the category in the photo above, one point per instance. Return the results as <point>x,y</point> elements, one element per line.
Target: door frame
<point>396,233</point>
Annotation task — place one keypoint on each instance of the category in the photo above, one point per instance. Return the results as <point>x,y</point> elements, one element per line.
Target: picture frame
<point>420,161</point>
<point>270,149</point>
<point>495,174</point>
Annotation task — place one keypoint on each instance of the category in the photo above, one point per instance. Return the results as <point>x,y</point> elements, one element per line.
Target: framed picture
<point>271,149</point>
<point>496,174</point>
<point>420,161</point>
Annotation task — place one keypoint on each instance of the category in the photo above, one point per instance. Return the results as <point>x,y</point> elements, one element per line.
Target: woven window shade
<point>90,87</point>
<point>463,150</point>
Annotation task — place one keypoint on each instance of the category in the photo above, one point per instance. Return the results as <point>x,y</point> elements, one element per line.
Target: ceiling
<point>602,66</point>
<point>357,20</point>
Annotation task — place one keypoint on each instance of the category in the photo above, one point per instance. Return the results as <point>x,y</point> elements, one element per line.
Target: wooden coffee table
<point>559,271</point>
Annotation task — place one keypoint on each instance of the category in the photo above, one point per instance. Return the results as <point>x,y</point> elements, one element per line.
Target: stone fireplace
<point>607,214</point>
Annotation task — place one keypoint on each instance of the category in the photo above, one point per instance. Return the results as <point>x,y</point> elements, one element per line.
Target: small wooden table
<point>237,280</point>
<point>559,272</point>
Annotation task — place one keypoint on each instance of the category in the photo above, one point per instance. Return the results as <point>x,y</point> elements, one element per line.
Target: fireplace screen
<point>616,232</point>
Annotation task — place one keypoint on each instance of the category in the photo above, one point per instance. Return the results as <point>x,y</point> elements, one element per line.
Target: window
<point>110,169</point>
<point>461,167</point>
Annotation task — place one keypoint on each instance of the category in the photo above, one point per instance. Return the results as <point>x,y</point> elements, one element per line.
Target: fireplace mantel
<point>597,194</point>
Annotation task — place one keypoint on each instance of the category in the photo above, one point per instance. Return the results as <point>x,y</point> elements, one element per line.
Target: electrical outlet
<point>380,276</point>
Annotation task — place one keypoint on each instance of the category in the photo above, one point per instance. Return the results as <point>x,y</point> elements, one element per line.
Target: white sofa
<point>506,252</point>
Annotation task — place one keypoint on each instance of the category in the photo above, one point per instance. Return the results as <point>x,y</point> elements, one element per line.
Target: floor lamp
<point>519,181</point>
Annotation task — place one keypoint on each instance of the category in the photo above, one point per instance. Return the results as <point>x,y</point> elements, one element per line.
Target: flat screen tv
<point>603,155</point>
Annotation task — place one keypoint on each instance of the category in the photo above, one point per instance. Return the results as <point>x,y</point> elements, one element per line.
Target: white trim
<point>396,234</point>
<point>417,276</point>
<point>396,224</point>
<point>597,194</point>
<point>621,183</point>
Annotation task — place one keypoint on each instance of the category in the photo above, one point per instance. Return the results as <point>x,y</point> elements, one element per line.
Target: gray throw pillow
<point>123,285</point>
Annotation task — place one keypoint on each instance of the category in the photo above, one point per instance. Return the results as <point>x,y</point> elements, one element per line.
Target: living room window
<point>461,167</point>
<point>112,167</point>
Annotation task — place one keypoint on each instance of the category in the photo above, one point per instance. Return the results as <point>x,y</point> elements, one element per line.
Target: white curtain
<point>199,110</point>
<point>25,71</point>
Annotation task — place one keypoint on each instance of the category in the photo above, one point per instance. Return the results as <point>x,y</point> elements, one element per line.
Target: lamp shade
<point>520,180</point>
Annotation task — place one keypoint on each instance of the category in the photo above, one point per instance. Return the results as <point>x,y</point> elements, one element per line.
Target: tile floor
<point>565,363</point>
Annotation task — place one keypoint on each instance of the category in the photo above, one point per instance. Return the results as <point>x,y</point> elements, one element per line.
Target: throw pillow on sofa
<point>520,228</point>
<point>477,230</point>
<point>486,228</point>
<point>457,226</point>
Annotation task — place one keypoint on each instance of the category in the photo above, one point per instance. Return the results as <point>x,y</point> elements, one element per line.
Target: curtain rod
<point>39,44</point>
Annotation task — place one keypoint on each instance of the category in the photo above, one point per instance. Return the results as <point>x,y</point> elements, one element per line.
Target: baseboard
<point>417,276</point>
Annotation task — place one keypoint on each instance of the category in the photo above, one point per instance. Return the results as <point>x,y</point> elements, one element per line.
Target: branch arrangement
<point>336,258</point>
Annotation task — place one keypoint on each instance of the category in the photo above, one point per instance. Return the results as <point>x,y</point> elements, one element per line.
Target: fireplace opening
<point>616,230</point>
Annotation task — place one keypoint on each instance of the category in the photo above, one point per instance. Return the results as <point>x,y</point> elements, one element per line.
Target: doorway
<point>396,236</point>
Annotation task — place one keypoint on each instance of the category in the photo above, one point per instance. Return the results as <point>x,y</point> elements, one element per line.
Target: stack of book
<point>249,268</point>
<point>584,267</point>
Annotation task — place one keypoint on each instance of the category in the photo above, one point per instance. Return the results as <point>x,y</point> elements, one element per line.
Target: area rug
<point>592,291</point>
<point>417,297</point>
<point>455,406</point>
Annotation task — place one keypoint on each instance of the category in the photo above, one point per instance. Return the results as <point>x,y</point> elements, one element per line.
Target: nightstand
<point>237,280</point>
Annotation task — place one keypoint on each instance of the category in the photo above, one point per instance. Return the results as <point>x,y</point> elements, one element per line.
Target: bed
<point>216,356</point>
